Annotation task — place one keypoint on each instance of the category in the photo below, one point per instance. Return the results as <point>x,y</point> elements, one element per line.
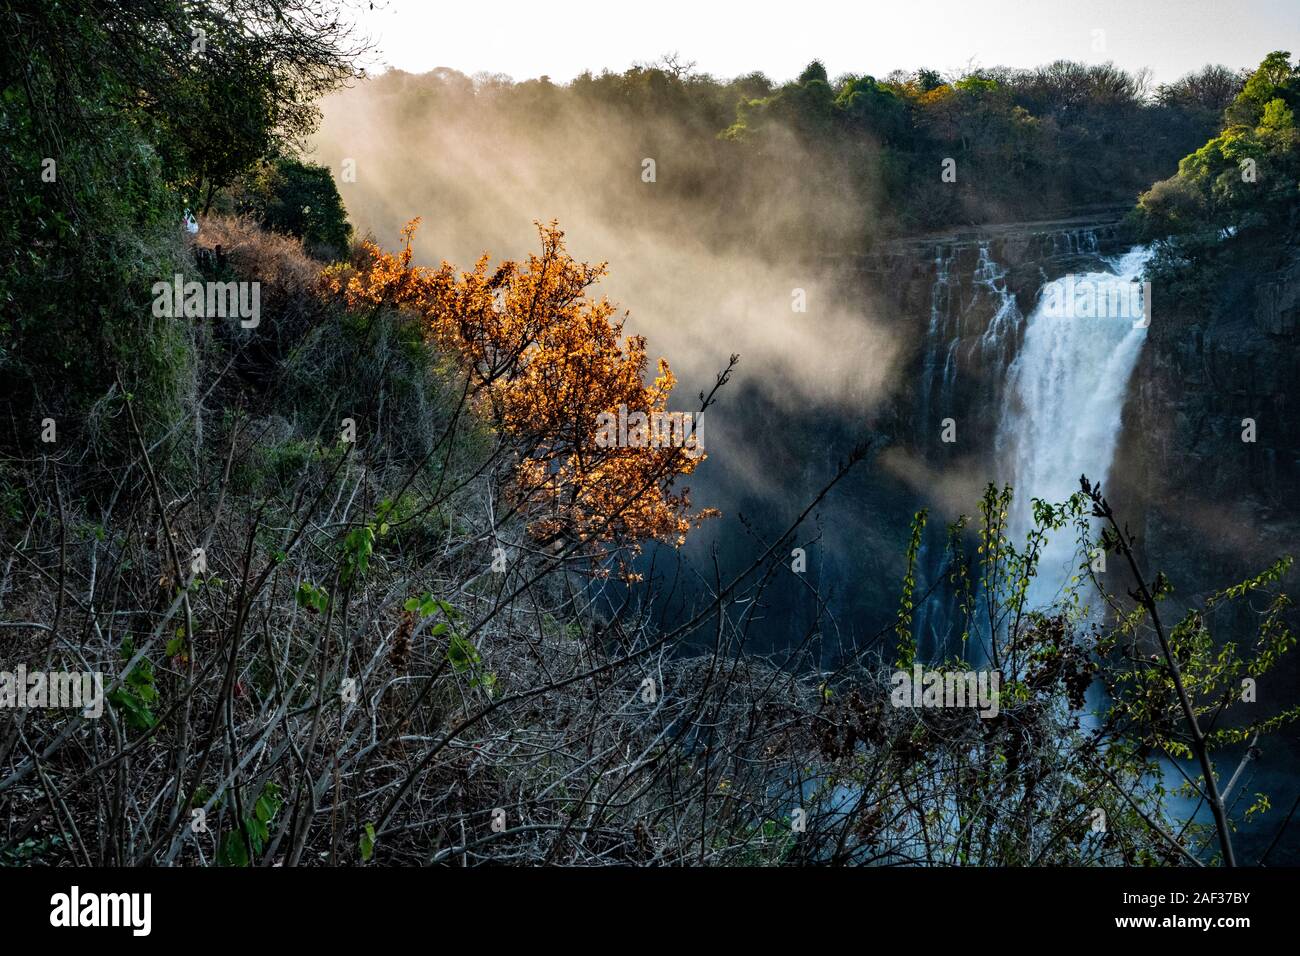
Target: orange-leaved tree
<point>548,364</point>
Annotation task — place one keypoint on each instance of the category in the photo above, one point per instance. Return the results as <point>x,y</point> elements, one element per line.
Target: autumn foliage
<point>545,360</point>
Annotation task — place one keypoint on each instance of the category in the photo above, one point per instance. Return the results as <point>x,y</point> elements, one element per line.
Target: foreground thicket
<point>354,673</point>
<point>377,656</point>
<point>292,597</point>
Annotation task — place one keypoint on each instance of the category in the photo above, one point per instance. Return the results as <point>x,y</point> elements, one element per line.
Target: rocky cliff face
<point>1210,467</point>
<point>1211,446</point>
<point>1277,300</point>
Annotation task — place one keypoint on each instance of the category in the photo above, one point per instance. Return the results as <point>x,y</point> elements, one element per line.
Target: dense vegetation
<point>1233,207</point>
<point>348,572</point>
<point>1245,177</point>
<point>114,118</point>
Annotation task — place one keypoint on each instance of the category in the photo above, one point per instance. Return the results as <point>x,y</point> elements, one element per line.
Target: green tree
<point>300,199</point>
<point>114,114</point>
<point>1245,177</point>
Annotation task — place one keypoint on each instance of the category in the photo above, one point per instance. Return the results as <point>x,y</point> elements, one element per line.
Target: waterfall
<point>1057,381</point>
<point>973,322</point>
<point>938,332</point>
<point>927,628</point>
<point>1075,242</point>
<point>1006,316</point>
<point>1065,395</point>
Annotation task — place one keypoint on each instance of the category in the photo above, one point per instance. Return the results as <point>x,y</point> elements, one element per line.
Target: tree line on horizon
<point>1027,143</point>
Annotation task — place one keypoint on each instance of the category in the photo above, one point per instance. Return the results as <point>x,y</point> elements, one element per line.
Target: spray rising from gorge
<point>810,383</point>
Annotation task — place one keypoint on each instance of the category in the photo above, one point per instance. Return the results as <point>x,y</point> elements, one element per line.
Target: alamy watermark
<point>75,908</point>
<point>53,689</point>
<point>1082,297</point>
<point>208,300</point>
<point>654,430</point>
<point>928,688</point>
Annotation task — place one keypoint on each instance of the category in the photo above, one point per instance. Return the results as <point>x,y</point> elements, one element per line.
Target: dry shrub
<point>287,275</point>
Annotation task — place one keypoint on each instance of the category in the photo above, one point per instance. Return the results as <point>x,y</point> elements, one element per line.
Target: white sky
<point>561,38</point>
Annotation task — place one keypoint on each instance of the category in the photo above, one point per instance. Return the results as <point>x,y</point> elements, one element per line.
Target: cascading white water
<point>1065,396</point>
<point>1006,316</point>
<point>988,299</point>
<point>938,334</point>
<point>938,331</point>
